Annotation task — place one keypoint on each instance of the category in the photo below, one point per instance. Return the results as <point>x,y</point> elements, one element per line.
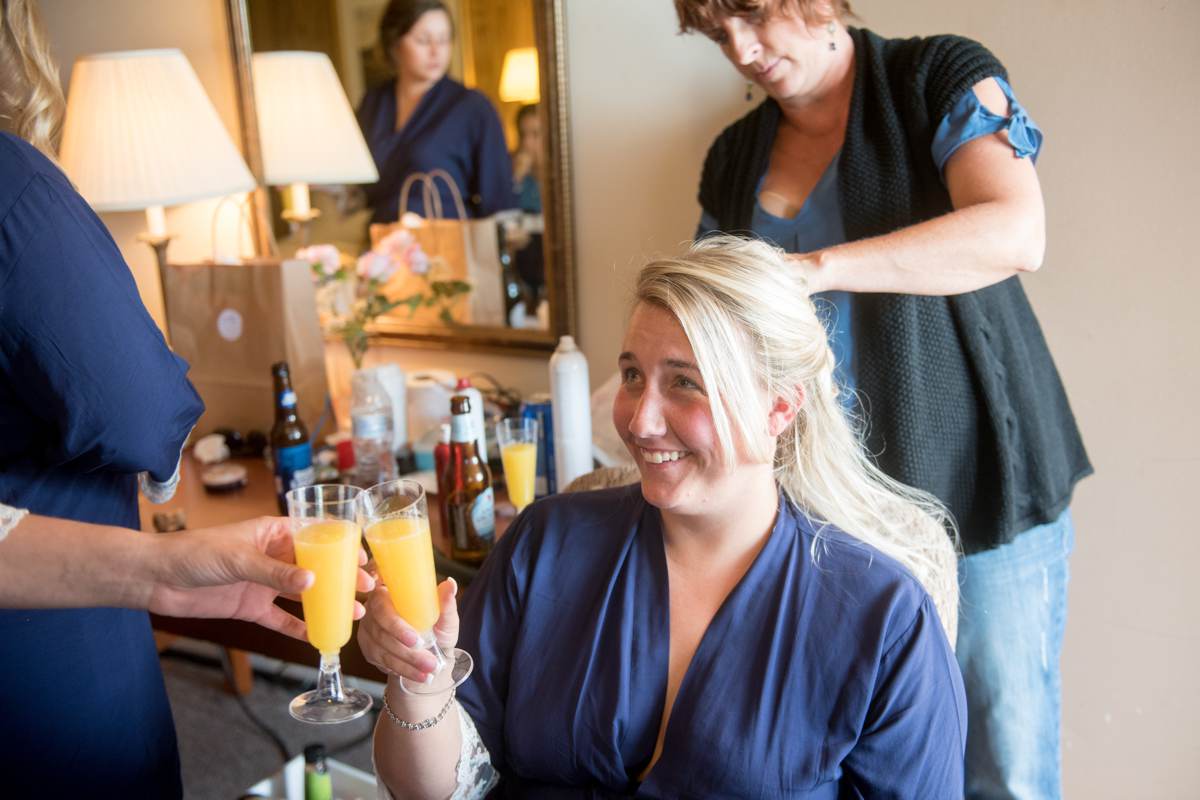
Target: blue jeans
<point>1012,611</point>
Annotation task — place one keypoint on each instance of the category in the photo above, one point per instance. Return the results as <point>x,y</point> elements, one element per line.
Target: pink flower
<point>418,262</point>
<point>325,257</point>
<point>376,266</point>
<point>396,244</point>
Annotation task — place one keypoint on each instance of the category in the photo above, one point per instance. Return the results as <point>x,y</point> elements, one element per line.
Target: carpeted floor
<point>222,750</point>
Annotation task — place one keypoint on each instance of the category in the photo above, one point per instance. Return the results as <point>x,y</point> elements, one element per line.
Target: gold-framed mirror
<point>537,293</point>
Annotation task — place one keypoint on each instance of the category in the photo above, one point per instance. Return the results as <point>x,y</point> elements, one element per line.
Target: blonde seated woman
<point>744,622</point>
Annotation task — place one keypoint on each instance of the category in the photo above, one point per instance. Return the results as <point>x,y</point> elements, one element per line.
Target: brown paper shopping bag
<point>463,249</point>
<point>231,322</point>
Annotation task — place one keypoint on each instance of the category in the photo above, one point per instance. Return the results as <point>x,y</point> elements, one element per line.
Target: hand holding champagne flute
<point>518,451</point>
<point>396,521</point>
<point>327,541</point>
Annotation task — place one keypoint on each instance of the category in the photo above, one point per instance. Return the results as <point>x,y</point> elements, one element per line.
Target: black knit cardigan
<point>961,395</point>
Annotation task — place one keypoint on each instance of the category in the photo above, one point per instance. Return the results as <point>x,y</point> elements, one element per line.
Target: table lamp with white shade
<point>140,133</point>
<point>519,81</point>
<point>307,129</point>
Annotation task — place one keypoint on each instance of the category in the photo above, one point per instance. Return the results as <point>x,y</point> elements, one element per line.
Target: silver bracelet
<point>416,726</point>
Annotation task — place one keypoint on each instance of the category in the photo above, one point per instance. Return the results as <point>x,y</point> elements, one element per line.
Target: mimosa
<point>330,550</point>
<point>395,515</point>
<point>403,551</point>
<point>520,471</point>
<point>518,440</point>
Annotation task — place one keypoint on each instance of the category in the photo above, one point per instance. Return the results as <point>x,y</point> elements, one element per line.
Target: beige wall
<point>1113,84</point>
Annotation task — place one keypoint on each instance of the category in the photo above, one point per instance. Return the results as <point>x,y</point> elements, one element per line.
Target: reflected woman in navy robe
<point>744,622</point>
<point>424,120</point>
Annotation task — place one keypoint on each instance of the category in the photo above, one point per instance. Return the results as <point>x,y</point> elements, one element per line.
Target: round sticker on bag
<point>229,325</point>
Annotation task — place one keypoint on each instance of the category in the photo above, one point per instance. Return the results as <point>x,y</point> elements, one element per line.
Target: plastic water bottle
<point>572,412</point>
<point>371,430</point>
<point>395,383</point>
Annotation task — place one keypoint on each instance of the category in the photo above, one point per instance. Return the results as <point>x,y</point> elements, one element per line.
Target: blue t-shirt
<point>90,395</point>
<point>453,128</point>
<point>818,224</point>
<point>821,680</point>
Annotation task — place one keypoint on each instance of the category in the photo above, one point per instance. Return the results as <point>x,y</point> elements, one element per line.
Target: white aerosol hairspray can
<point>572,412</point>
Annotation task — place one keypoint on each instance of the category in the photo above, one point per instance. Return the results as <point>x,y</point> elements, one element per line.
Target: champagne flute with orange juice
<point>327,537</point>
<point>395,519</point>
<point>518,451</point>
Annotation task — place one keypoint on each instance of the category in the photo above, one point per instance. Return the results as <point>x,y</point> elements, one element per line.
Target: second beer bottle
<point>470,504</point>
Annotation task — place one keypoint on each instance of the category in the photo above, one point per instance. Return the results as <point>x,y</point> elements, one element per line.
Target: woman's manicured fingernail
<point>454,585</point>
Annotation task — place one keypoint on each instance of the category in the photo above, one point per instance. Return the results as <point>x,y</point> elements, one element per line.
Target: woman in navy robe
<point>423,120</point>
<point>744,622</point>
<point>90,396</point>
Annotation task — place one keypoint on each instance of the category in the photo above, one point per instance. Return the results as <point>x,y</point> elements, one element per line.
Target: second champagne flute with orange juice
<point>395,519</point>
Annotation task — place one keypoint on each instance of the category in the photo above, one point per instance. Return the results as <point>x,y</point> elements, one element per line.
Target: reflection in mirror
<point>448,97</point>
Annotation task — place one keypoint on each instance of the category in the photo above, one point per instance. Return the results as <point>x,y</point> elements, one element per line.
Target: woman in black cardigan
<point>900,173</point>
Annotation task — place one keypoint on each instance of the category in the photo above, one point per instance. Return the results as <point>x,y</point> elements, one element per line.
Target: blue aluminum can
<point>538,407</point>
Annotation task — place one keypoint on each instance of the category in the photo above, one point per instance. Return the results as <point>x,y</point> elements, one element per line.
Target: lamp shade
<point>307,129</point>
<point>519,76</point>
<point>141,132</point>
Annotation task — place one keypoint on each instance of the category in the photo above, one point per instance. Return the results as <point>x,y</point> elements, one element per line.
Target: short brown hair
<point>399,17</point>
<point>703,15</point>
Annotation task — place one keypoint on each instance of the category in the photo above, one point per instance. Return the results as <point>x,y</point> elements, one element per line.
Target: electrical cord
<point>360,739</point>
<point>277,678</point>
<point>507,398</point>
<point>268,731</point>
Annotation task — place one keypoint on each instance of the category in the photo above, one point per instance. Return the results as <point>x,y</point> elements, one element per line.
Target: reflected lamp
<point>519,76</point>
<point>307,129</point>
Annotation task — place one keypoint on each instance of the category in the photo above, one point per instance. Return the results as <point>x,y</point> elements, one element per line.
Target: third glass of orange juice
<point>518,452</point>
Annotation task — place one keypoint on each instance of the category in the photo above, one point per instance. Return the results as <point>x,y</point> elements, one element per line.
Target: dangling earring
<point>832,28</point>
<point>749,86</point>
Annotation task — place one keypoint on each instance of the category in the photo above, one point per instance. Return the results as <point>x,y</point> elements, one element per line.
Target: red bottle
<point>441,457</point>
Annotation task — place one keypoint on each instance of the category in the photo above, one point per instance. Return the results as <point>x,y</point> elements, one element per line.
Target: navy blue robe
<point>89,396</point>
<point>831,680</point>
<point>452,128</point>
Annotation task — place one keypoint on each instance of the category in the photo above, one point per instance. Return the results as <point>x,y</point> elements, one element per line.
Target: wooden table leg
<point>243,674</point>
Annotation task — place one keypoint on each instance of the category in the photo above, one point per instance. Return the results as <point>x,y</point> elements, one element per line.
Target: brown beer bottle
<point>470,504</point>
<point>291,453</point>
